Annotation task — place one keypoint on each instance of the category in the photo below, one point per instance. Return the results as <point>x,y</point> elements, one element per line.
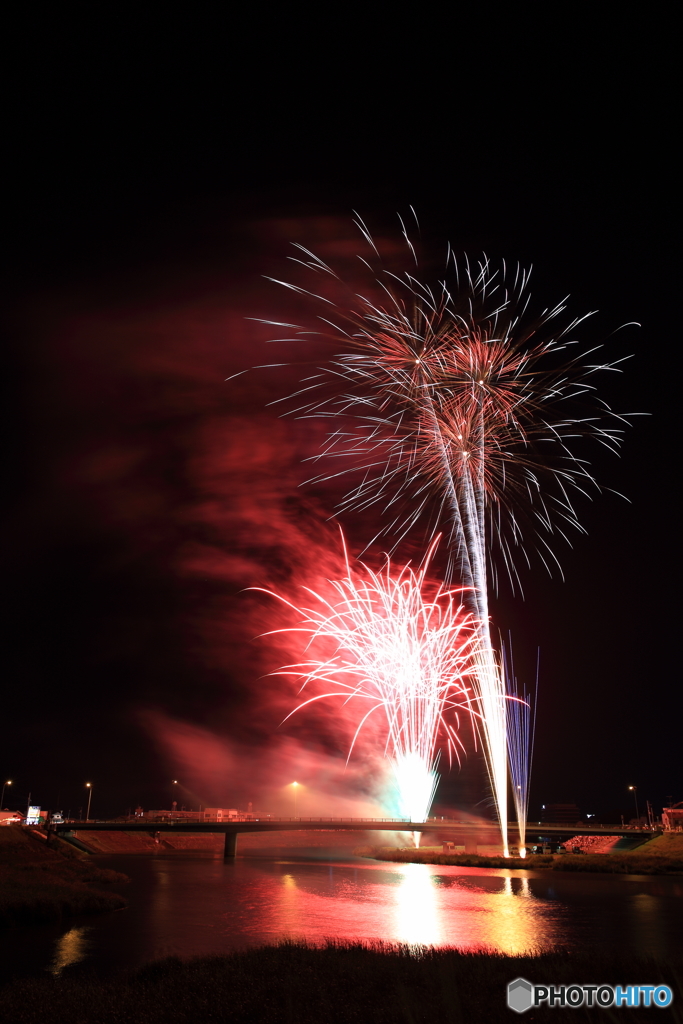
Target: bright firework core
<point>389,647</point>
<point>416,783</point>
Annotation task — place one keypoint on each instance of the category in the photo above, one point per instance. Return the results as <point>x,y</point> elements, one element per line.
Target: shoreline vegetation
<point>660,856</point>
<point>42,884</point>
<point>340,983</point>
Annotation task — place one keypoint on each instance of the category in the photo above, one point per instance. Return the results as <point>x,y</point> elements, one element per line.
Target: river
<point>194,904</point>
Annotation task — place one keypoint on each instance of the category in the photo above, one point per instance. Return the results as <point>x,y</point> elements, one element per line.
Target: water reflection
<point>70,949</point>
<point>472,912</point>
<point>419,904</point>
<point>292,907</point>
<point>417,916</point>
<point>517,922</point>
<point>196,907</point>
<point>647,923</point>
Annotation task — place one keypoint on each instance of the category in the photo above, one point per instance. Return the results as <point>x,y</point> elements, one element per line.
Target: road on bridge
<point>468,832</point>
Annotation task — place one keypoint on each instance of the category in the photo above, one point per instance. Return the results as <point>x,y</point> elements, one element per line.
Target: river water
<point>195,904</point>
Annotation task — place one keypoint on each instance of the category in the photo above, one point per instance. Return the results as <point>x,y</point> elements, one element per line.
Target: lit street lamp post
<point>88,786</point>
<point>2,799</point>
<point>295,786</point>
<point>635,797</point>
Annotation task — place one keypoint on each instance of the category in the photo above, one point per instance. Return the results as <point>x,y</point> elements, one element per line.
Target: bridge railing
<point>440,822</point>
<point>150,823</point>
<point>588,825</point>
<point>263,820</point>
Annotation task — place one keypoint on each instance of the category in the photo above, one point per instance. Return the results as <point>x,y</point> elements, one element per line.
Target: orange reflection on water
<point>451,910</point>
<point>418,904</point>
<point>515,922</point>
<point>70,948</point>
<point>289,910</point>
<point>292,906</point>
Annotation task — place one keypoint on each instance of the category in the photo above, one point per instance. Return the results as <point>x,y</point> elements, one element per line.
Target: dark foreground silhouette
<point>339,984</point>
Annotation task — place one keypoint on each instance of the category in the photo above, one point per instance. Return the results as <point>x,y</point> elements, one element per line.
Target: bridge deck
<point>443,825</point>
<point>468,832</point>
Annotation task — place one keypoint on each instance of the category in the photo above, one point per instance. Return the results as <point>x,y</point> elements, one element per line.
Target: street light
<point>635,797</point>
<point>2,799</point>
<point>88,786</point>
<point>295,787</point>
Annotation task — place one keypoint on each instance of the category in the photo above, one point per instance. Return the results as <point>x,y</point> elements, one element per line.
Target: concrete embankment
<point>147,842</point>
<point>267,844</point>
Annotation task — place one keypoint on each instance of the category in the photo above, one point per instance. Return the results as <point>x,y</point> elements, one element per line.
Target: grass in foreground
<point>42,884</point>
<point>343,983</point>
<point>608,863</point>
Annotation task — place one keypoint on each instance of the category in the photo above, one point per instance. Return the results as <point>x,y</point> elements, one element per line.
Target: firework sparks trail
<point>451,393</point>
<point>520,724</point>
<point>399,650</point>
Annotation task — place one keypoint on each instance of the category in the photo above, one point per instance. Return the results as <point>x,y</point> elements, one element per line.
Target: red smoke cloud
<point>192,482</point>
<point>218,771</point>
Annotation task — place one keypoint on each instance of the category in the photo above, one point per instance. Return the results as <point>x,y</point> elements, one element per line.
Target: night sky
<point>158,168</point>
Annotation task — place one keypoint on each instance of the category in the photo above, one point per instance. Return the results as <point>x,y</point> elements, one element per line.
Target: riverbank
<point>663,855</point>
<point>42,884</point>
<point>252,844</point>
<point>342,983</point>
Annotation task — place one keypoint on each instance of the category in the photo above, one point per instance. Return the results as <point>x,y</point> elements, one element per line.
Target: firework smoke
<point>392,648</point>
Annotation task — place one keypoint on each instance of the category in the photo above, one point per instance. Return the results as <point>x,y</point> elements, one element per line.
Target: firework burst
<point>450,406</point>
<point>396,646</point>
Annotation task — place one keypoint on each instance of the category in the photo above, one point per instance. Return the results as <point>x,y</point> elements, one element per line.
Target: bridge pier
<point>230,846</point>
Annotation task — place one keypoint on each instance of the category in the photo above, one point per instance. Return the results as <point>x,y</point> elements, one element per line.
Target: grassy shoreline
<point>341,983</point>
<point>41,884</point>
<point>641,861</point>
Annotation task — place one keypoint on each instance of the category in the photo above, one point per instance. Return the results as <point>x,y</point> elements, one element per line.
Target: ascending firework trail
<point>449,406</point>
<point>521,723</point>
<point>387,643</point>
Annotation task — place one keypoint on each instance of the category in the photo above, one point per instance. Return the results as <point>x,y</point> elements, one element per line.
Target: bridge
<point>463,832</point>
